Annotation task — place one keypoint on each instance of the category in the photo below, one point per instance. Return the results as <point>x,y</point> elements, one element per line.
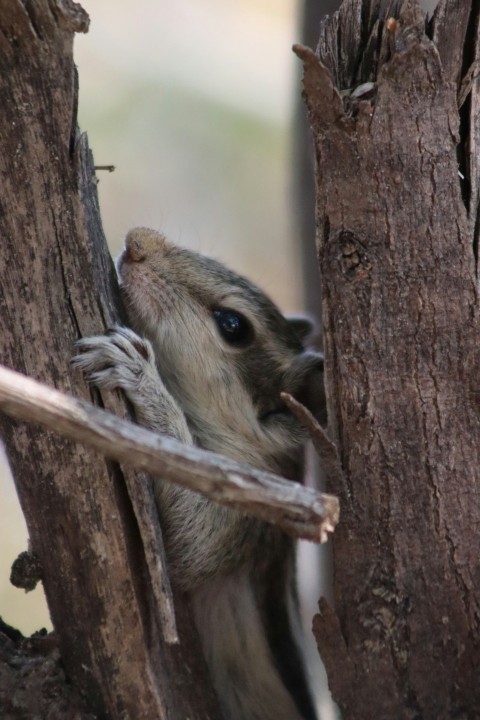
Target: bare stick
<point>324,447</point>
<point>299,511</point>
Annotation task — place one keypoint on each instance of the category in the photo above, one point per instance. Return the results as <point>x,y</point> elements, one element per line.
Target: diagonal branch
<point>299,511</point>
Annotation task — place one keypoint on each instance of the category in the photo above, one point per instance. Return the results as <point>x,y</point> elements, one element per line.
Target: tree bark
<point>397,233</point>
<point>91,524</point>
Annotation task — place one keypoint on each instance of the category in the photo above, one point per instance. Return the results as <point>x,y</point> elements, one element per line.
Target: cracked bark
<point>91,523</point>
<point>396,231</point>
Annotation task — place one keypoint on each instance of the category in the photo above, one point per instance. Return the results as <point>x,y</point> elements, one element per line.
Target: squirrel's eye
<point>234,327</point>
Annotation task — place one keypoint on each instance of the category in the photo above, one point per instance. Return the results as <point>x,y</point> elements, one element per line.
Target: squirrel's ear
<point>302,325</point>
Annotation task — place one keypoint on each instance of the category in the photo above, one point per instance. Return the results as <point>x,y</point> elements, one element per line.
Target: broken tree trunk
<point>397,223</point>
<point>91,524</point>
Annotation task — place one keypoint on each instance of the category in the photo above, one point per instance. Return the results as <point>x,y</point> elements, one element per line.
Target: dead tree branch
<point>299,511</point>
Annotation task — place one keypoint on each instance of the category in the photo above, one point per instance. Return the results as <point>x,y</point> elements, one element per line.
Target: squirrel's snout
<point>141,243</point>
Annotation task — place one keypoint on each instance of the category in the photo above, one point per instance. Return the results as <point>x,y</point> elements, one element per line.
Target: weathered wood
<point>92,525</point>
<point>401,328</point>
<point>298,510</point>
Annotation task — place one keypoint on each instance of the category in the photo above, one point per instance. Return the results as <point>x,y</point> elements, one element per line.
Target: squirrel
<point>204,361</point>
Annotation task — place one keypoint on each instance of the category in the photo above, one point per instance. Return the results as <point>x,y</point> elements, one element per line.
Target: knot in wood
<point>26,571</point>
<point>353,257</point>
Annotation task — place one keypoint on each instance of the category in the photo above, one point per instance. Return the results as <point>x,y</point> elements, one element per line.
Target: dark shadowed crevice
<point>465,116</point>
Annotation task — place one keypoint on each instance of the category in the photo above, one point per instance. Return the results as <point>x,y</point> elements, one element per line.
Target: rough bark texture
<point>33,682</point>
<point>99,545</point>
<point>397,229</point>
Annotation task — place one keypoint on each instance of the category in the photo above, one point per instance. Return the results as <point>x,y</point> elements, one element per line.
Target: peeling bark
<point>396,232</point>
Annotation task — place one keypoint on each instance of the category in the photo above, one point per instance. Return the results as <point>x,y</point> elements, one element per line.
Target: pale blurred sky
<point>192,102</point>
<point>235,53</point>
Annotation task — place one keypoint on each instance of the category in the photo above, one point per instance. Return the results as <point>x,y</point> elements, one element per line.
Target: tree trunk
<point>91,524</point>
<point>397,232</point>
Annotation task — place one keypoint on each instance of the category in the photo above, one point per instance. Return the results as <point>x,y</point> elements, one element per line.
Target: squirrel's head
<point>223,349</point>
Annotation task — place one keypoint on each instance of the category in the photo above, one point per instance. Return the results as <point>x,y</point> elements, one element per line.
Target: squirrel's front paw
<point>119,359</point>
<point>122,359</point>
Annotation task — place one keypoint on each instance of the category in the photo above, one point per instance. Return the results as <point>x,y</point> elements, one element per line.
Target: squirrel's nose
<point>141,243</point>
